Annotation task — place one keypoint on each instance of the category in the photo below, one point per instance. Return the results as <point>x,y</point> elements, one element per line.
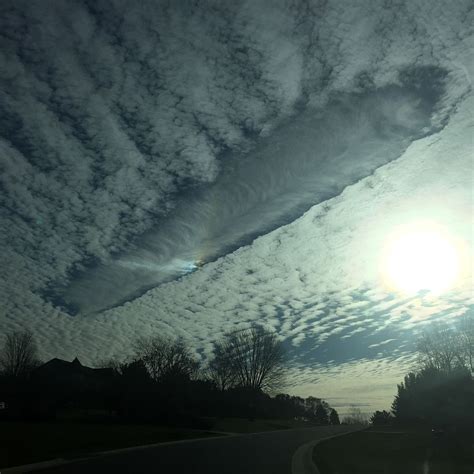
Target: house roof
<point>58,366</point>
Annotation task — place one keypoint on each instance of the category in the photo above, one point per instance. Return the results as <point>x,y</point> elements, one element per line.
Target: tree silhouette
<point>438,348</point>
<point>442,389</point>
<point>317,410</point>
<point>435,396</point>
<point>334,417</point>
<point>162,382</point>
<point>381,418</point>
<point>466,340</point>
<point>253,356</point>
<point>448,348</point>
<point>321,415</point>
<point>220,370</point>
<point>355,417</point>
<point>166,360</point>
<point>19,354</point>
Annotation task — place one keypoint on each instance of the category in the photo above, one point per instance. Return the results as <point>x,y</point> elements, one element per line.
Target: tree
<point>334,417</point>
<point>114,363</point>
<point>436,396</point>
<point>317,410</point>
<point>19,355</point>
<point>448,348</point>
<point>321,415</point>
<point>381,418</point>
<point>437,348</point>
<point>220,370</point>
<point>466,340</point>
<point>253,356</point>
<point>355,417</point>
<point>289,406</point>
<point>166,360</point>
<point>134,373</point>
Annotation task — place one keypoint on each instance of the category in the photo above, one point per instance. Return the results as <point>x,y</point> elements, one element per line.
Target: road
<point>258,453</point>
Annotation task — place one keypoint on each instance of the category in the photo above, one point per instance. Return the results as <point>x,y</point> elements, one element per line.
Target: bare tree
<point>466,340</point>
<point>438,348</point>
<point>446,348</point>
<point>220,369</point>
<point>19,354</point>
<point>252,358</point>
<point>355,417</point>
<point>166,359</point>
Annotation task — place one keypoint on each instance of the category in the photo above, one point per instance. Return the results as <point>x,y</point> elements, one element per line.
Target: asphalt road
<point>259,453</point>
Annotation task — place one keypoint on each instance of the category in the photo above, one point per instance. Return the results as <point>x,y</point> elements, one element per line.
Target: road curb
<point>34,466</point>
<point>302,461</point>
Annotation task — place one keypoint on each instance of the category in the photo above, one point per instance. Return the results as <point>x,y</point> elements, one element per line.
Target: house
<point>72,375</point>
<point>61,384</point>
<point>56,385</point>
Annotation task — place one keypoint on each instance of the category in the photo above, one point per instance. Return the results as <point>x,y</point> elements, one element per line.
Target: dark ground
<point>29,442</point>
<point>259,453</point>
<point>396,450</point>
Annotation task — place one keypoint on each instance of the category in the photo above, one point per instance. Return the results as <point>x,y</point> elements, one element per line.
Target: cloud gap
<point>309,158</point>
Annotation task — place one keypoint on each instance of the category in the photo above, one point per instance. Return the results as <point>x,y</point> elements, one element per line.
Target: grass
<point>29,442</point>
<point>393,451</point>
<point>242,425</point>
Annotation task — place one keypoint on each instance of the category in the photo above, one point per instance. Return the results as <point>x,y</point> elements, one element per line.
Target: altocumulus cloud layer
<point>141,140</point>
<point>306,160</point>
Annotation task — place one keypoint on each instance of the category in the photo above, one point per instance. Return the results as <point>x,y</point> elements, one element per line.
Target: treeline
<point>161,382</point>
<point>440,391</point>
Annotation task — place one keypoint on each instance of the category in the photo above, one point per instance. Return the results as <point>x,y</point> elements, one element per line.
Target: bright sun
<point>420,258</point>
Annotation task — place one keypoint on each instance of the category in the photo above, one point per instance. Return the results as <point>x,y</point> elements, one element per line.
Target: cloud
<point>143,141</point>
<point>278,280</point>
<point>306,160</point>
<point>382,343</point>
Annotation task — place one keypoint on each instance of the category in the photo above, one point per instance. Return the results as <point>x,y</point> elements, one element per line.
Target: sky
<point>193,167</point>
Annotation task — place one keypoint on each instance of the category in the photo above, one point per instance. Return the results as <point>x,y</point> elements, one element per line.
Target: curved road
<point>258,453</point>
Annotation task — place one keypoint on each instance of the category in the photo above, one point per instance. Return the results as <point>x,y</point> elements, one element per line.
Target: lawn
<point>28,442</point>
<point>394,451</point>
<point>242,425</point>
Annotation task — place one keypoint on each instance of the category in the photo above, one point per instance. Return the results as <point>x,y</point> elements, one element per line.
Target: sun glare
<point>421,258</point>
